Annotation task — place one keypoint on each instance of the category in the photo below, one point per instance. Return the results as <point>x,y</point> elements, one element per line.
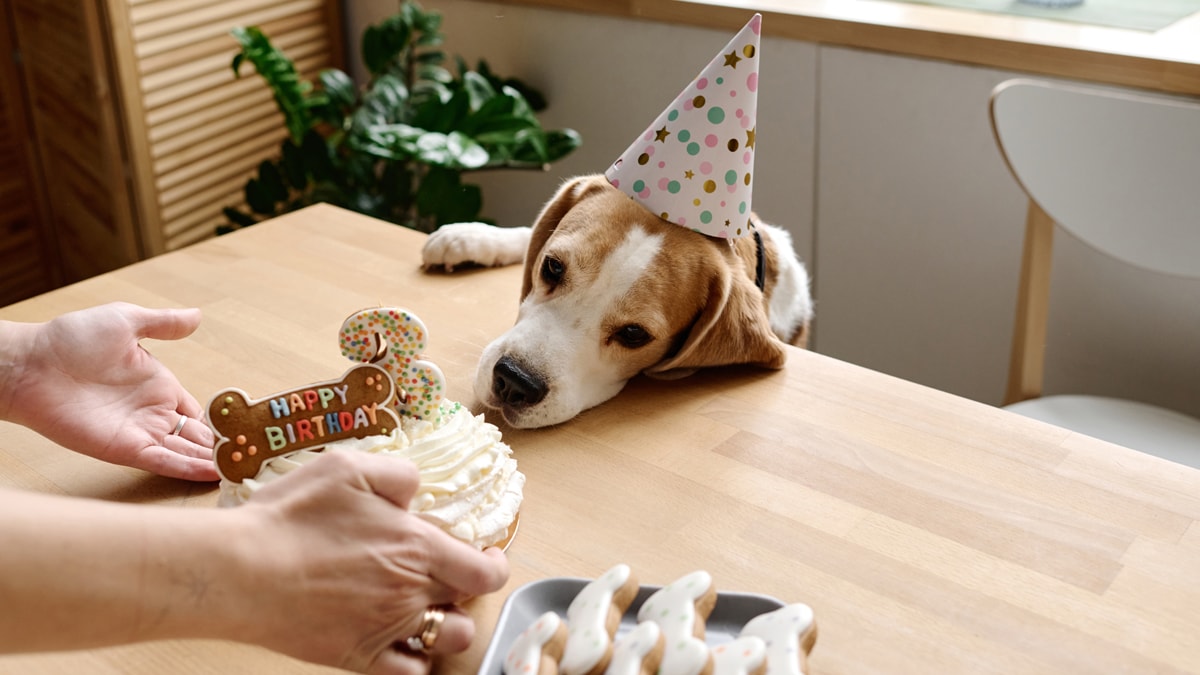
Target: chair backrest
<point>1119,171</point>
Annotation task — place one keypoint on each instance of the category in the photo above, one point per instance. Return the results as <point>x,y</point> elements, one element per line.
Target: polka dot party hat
<point>693,166</point>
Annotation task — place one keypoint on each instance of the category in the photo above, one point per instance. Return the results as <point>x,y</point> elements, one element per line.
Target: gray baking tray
<point>530,601</point>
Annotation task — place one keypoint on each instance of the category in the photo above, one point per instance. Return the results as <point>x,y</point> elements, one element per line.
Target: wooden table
<point>931,534</point>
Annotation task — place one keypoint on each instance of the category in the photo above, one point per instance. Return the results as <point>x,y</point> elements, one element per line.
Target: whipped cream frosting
<point>470,485</point>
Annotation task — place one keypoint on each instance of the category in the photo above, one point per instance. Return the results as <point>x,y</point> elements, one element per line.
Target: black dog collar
<point>760,268</point>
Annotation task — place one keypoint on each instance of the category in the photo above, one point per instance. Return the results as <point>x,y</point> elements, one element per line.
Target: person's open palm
<point>88,385</point>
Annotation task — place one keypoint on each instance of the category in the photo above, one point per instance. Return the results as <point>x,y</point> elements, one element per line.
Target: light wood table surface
<point>931,534</point>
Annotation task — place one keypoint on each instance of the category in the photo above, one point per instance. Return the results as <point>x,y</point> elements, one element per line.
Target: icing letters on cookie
<point>638,652</point>
<point>742,656</point>
<point>251,432</point>
<point>789,633</point>
<point>538,648</point>
<point>393,339</point>
<point>679,609</point>
<point>593,617</point>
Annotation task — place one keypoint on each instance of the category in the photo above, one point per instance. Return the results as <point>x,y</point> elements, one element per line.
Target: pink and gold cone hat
<point>694,165</point>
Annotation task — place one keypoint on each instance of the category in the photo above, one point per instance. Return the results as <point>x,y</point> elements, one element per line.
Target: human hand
<point>350,572</point>
<point>83,381</point>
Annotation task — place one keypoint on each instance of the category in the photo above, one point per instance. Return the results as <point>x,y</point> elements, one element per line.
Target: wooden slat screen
<point>196,133</point>
<point>72,130</point>
<point>26,266</point>
<point>123,131</point>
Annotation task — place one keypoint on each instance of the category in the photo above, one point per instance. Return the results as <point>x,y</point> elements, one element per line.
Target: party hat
<point>693,165</point>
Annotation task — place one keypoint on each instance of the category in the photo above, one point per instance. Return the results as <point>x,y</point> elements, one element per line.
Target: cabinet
<point>123,131</point>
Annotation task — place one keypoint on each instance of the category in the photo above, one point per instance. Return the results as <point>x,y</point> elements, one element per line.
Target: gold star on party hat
<point>693,166</point>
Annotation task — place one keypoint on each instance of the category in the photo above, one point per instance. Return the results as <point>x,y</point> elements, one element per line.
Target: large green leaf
<point>425,93</point>
<point>390,141</point>
<point>429,24</point>
<point>479,90</point>
<point>238,218</point>
<point>529,147</point>
<point>431,72</point>
<point>396,186</point>
<point>444,116</point>
<point>271,180</point>
<point>329,194</point>
<point>520,105</point>
<point>337,97</point>
<point>291,163</point>
<point>359,173</point>
<point>561,142</point>
<point>537,148</point>
<point>443,196</point>
<point>339,87</point>
<point>258,198</point>
<point>450,151</point>
<point>280,75</point>
<point>383,43</point>
<point>535,98</point>
<point>317,157</point>
<point>501,129</point>
<point>384,103</point>
<point>435,58</point>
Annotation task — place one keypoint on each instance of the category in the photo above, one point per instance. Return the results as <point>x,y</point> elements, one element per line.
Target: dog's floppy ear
<point>732,328</point>
<point>571,193</point>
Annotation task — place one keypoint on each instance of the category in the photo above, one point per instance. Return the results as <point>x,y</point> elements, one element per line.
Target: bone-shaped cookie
<point>251,432</point>
<point>592,621</point>
<point>680,608</point>
<point>789,633</point>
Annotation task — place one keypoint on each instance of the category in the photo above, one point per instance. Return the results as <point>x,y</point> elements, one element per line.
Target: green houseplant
<point>398,148</point>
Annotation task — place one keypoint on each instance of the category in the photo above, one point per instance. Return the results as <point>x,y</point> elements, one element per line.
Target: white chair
<point>1122,173</point>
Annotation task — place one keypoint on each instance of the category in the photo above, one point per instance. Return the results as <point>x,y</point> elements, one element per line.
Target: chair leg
<point>1028,359</point>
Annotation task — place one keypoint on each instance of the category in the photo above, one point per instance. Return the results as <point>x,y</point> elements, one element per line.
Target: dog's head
<point>611,290</point>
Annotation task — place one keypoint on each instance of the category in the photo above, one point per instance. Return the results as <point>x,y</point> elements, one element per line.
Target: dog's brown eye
<point>633,336</point>
<point>552,270</point>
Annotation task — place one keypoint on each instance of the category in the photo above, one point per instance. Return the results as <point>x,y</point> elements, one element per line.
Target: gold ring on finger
<point>431,626</point>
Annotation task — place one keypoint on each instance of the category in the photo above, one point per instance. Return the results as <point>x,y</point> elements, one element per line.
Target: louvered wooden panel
<point>75,139</point>
<point>28,262</point>
<point>26,267</point>
<point>137,133</point>
<point>195,133</point>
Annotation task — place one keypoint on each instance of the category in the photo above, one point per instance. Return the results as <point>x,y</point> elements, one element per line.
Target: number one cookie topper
<point>393,339</point>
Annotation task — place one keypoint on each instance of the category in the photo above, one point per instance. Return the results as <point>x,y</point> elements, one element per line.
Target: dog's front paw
<point>458,244</point>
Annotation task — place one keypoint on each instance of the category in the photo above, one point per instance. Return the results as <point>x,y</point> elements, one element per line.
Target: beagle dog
<point>611,290</point>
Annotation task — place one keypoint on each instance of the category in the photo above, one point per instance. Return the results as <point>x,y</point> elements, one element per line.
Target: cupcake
<point>390,405</point>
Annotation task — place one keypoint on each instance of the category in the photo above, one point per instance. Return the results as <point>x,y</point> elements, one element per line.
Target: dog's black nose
<point>514,385</point>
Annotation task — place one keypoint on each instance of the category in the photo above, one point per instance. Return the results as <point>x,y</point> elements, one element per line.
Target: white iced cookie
<point>789,633</point>
<point>537,650</point>
<point>680,610</point>
<point>592,619</point>
<point>743,656</point>
<point>638,652</point>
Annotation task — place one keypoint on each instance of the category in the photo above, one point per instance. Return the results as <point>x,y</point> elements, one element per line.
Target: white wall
<point>885,171</point>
